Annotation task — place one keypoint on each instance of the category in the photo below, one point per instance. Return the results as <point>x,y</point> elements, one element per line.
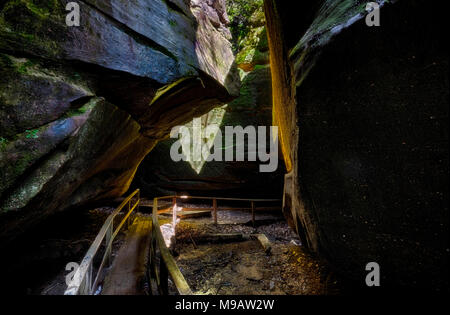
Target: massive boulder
<point>81,106</point>
<point>160,175</point>
<point>363,113</point>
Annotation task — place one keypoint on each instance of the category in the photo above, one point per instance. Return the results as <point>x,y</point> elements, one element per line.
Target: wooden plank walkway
<point>128,273</point>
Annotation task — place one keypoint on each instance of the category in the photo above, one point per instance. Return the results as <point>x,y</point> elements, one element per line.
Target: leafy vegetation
<point>3,142</point>
<point>24,66</point>
<point>35,24</point>
<point>32,134</point>
<point>239,12</point>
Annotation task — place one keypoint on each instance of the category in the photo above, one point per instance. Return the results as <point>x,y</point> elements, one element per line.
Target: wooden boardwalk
<point>128,272</point>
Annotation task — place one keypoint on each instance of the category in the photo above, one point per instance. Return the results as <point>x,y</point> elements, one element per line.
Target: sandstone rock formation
<point>158,174</point>
<point>363,115</point>
<point>80,107</point>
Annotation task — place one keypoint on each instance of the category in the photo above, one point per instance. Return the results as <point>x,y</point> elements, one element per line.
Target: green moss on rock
<point>34,26</point>
<point>5,62</point>
<point>3,143</point>
<point>83,109</point>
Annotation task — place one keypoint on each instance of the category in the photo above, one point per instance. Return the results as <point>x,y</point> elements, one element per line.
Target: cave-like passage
<point>246,260</point>
<point>128,268</point>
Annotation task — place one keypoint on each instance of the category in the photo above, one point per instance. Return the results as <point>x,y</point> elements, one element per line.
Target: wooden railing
<point>84,282</point>
<point>167,264</point>
<point>215,207</point>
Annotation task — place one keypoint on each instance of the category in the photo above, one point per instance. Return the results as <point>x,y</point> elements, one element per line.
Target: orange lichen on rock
<point>283,115</point>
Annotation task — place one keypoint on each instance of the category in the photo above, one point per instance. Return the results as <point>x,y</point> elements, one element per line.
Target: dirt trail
<point>243,268</point>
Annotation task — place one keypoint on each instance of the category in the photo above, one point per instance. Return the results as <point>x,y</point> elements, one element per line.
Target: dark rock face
<point>80,107</point>
<point>367,147</point>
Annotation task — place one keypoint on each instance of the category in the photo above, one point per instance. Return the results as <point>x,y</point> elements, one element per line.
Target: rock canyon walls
<point>363,113</point>
<point>160,175</point>
<point>80,107</point>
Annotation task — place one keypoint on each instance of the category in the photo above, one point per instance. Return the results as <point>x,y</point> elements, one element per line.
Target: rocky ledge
<point>80,107</point>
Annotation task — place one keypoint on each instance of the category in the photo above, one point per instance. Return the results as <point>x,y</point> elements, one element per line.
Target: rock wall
<point>80,107</point>
<point>159,175</point>
<point>364,119</point>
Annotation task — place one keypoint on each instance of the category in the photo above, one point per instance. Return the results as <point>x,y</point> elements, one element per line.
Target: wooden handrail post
<point>174,219</point>
<point>215,210</point>
<point>139,200</point>
<point>84,285</point>
<point>129,218</point>
<point>163,276</point>
<point>87,288</point>
<point>108,237</point>
<point>91,279</point>
<point>253,213</point>
<point>153,254</point>
<point>174,213</point>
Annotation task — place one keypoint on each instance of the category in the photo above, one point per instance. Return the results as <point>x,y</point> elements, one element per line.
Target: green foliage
<point>76,112</point>
<point>42,8</point>
<point>31,134</point>
<point>24,66</point>
<point>239,12</point>
<point>82,110</point>
<point>35,24</point>
<point>257,67</point>
<point>3,143</point>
